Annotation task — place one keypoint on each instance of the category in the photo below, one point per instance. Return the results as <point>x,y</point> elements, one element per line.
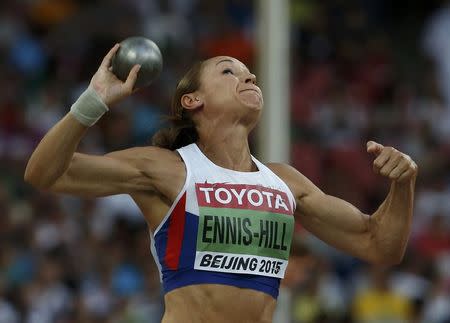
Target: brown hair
<point>182,130</point>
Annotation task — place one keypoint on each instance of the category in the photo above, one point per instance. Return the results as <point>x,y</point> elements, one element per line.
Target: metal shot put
<point>138,51</point>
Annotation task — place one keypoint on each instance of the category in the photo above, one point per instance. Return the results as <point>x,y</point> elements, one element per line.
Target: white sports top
<point>225,227</point>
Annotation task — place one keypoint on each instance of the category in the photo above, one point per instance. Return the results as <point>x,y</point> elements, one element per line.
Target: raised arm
<point>379,238</point>
<point>54,165</point>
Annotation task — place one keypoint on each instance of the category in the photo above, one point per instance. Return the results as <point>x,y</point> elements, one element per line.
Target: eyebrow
<point>224,60</point>
<point>229,60</point>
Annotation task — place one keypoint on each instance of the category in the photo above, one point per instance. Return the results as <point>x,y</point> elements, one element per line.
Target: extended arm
<point>378,238</point>
<point>54,164</point>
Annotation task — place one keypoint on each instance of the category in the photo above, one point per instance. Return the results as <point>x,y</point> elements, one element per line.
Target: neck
<point>227,147</point>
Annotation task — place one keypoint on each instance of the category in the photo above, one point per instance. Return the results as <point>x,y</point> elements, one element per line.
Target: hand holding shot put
<point>107,85</point>
<point>199,182</point>
<point>134,63</point>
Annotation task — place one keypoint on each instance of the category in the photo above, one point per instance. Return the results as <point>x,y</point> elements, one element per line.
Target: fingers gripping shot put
<point>221,222</point>
<point>138,51</point>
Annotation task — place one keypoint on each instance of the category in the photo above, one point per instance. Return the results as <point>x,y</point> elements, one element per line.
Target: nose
<point>250,78</point>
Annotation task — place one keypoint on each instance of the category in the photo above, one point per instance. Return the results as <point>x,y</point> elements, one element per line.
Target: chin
<point>251,113</point>
<point>256,107</point>
<point>253,105</point>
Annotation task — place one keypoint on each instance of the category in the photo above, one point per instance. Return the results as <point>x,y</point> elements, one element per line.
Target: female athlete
<point>221,222</point>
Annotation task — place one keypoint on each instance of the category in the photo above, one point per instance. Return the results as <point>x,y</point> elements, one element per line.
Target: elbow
<point>387,259</point>
<point>30,176</point>
<point>387,262</point>
<point>396,259</point>
<point>34,177</point>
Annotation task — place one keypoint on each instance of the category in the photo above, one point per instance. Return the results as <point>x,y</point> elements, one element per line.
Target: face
<point>227,86</point>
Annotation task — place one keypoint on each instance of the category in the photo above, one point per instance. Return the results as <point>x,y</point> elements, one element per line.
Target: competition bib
<point>245,229</point>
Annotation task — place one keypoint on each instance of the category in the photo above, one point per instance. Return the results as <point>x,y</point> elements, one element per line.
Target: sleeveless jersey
<point>225,227</point>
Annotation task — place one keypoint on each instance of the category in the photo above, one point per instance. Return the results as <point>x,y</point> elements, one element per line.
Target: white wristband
<point>89,107</point>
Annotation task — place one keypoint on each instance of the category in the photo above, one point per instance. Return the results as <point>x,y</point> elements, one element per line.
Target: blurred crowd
<point>361,70</point>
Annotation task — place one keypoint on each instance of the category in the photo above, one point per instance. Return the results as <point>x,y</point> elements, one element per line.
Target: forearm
<point>391,223</point>
<point>54,153</point>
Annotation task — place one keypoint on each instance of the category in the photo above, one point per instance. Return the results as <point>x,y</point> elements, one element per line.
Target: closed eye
<point>227,71</point>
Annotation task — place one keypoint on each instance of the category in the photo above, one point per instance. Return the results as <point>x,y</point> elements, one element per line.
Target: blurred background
<point>359,70</point>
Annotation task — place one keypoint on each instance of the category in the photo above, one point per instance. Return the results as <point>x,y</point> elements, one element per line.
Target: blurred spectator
<point>436,309</point>
<point>47,298</point>
<point>8,314</point>
<point>321,296</point>
<point>434,239</point>
<point>436,45</point>
<point>379,303</point>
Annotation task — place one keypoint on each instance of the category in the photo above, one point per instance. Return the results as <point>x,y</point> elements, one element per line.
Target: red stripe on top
<point>175,234</point>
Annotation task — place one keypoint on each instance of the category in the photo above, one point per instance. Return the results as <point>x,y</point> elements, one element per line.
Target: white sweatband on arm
<point>89,107</point>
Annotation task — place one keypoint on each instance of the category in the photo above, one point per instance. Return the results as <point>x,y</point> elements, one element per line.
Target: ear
<point>191,101</point>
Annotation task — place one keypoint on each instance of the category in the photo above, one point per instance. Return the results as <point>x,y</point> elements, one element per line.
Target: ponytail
<point>180,133</point>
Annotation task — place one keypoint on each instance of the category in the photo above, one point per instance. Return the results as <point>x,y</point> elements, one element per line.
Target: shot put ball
<point>142,51</point>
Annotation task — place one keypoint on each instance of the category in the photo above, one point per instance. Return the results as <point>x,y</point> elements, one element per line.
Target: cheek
<point>220,92</point>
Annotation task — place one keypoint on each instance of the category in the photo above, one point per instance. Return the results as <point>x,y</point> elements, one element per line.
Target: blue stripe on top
<point>187,275</point>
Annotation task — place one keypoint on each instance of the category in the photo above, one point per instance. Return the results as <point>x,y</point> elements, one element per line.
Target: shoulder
<point>299,184</point>
<point>165,168</point>
<point>280,167</point>
<point>284,171</point>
